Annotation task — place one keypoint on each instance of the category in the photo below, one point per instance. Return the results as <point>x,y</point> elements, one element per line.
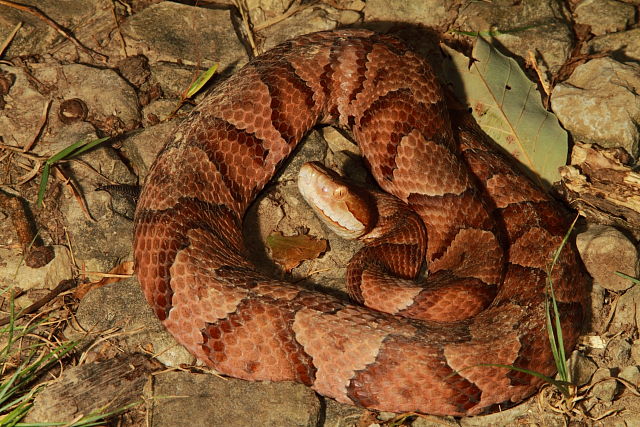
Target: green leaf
<point>201,81</point>
<point>507,106</point>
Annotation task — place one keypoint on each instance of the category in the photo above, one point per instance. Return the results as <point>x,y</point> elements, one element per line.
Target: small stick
<point>10,37</point>
<point>63,286</point>
<point>43,121</point>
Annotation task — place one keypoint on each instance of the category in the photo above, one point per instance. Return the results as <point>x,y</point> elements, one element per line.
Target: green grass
<point>18,390</point>
<point>71,151</point>
<point>554,329</point>
<point>19,387</point>
<point>635,280</point>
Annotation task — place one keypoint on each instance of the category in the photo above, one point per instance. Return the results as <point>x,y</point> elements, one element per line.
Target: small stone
<point>606,389</point>
<point>604,16</point>
<point>430,13</point>
<point>631,374</point>
<point>600,103</point>
<point>581,368</point>
<point>206,400</point>
<point>618,352</point>
<point>627,312</point>
<point>605,250</point>
<point>635,352</point>
<point>135,69</point>
<point>623,46</point>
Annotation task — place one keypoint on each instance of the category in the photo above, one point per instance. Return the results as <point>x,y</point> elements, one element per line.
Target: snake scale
<point>490,235</point>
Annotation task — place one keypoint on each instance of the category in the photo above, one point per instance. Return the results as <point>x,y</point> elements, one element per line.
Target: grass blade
<point>201,81</point>
<point>554,326</point>
<point>72,150</point>
<point>563,386</point>
<point>626,276</point>
<point>87,146</point>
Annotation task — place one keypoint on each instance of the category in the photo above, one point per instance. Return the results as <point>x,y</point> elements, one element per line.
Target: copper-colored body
<point>490,233</point>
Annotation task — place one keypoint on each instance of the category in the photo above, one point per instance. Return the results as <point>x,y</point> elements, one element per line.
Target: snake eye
<point>339,192</point>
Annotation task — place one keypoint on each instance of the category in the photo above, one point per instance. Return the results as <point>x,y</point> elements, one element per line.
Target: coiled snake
<point>490,234</point>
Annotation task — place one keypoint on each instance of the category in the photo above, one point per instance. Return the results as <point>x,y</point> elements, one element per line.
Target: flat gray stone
<point>207,400</point>
<point>37,37</point>
<point>604,16</point>
<point>535,26</point>
<point>430,13</point>
<point>600,103</point>
<point>605,250</point>
<point>623,46</point>
<point>165,32</point>
<point>605,387</point>
<point>122,305</point>
<point>112,104</point>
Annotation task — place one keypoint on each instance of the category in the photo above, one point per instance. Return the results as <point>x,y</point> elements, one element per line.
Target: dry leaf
<point>290,251</point>
<point>508,107</point>
<point>114,275</point>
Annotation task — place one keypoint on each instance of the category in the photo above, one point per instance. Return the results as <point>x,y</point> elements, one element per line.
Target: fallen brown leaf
<point>290,251</point>
<point>116,274</point>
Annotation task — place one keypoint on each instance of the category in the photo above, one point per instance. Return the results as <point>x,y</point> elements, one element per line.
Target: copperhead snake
<point>485,231</point>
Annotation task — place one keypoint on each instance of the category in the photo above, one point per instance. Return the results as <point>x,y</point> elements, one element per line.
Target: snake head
<point>345,208</point>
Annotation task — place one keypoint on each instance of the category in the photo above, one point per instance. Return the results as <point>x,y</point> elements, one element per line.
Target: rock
<point>537,24</point>
<point>582,368</point>
<point>631,374</point>
<point>600,103</point>
<point>102,240</point>
<point>342,415</point>
<point>604,389</point>
<point>618,352</point>
<point>15,273</point>
<point>112,104</point>
<point>23,106</point>
<point>163,32</point>
<point>36,37</point>
<point>432,421</point>
<point>502,418</point>
<point>635,352</point>
<point>604,16</point>
<point>174,79</point>
<point>135,69</point>
<point>142,148</point>
<point>605,250</point>
<point>103,386</point>
<point>320,17</point>
<point>431,13</point>
<point>206,400</point>
<point>623,46</point>
<point>261,10</point>
<point>122,305</point>
<point>627,311</point>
